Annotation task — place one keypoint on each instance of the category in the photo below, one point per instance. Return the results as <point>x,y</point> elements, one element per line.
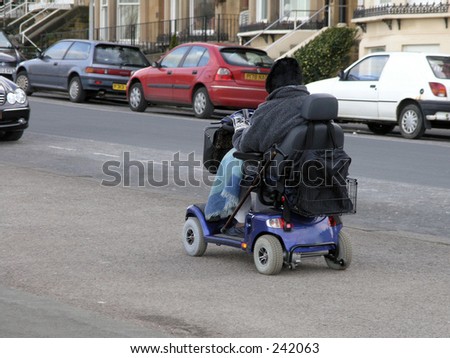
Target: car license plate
<point>119,87</point>
<point>7,70</point>
<point>255,76</point>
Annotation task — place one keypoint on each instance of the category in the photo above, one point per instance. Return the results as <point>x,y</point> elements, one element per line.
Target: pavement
<point>78,259</point>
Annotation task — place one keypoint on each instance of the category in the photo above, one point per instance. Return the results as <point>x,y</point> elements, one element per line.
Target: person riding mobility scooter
<point>304,186</point>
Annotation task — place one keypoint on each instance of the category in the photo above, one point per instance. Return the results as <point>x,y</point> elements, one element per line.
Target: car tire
<point>76,92</point>
<point>268,255</point>
<point>11,136</point>
<point>203,108</point>
<point>411,122</point>
<point>193,240</point>
<point>379,128</point>
<point>341,258</point>
<point>136,98</point>
<point>23,82</point>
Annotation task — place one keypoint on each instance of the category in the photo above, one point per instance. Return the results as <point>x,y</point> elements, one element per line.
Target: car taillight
<point>438,89</point>
<point>223,74</point>
<point>108,71</point>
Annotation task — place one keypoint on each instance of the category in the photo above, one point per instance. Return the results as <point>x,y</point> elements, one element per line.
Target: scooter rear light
<point>223,74</point>
<point>279,223</point>
<point>438,89</point>
<point>332,221</point>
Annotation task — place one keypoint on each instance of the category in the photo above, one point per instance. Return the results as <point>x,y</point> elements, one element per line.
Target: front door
<point>43,72</point>
<point>160,81</point>
<point>358,89</point>
<point>187,73</point>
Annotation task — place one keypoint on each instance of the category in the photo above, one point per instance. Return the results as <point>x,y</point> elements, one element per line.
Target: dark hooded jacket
<point>281,112</point>
<point>273,119</point>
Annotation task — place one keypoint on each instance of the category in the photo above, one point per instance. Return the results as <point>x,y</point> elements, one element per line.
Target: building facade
<point>403,26</point>
<point>156,22</point>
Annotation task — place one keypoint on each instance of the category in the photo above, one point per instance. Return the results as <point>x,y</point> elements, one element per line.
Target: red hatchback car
<point>203,75</point>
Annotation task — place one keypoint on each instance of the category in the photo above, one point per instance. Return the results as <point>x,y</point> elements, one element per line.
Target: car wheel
<point>341,258</point>
<point>11,136</point>
<point>193,240</point>
<point>379,128</point>
<point>136,98</point>
<point>203,108</point>
<point>23,82</point>
<point>411,122</point>
<point>76,92</point>
<point>268,255</point>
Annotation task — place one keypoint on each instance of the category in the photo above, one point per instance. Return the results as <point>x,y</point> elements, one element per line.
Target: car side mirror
<point>156,64</point>
<point>341,75</point>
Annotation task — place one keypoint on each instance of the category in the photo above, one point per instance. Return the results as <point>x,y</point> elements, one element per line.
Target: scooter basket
<point>317,202</point>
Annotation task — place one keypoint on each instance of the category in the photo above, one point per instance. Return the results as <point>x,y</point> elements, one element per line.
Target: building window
<point>261,10</point>
<point>293,10</point>
<point>103,35</point>
<point>194,18</point>
<point>434,48</point>
<point>127,18</point>
<point>173,16</point>
<point>202,14</point>
<point>376,49</point>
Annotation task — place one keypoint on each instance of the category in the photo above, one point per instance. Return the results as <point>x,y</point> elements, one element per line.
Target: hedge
<point>327,54</point>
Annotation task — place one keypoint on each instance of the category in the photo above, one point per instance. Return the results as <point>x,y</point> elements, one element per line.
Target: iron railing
<point>401,10</point>
<point>315,20</point>
<point>289,23</point>
<point>46,39</point>
<point>158,36</point>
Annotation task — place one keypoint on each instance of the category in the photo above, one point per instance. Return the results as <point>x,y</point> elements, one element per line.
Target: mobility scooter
<point>285,233</point>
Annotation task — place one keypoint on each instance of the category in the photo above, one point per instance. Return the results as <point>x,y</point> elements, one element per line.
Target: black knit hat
<point>284,72</point>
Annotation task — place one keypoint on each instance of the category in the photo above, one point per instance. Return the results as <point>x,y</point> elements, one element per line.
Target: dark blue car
<point>10,56</point>
<point>85,69</point>
<point>14,110</point>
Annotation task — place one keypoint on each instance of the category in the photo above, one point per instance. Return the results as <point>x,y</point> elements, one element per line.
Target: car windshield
<point>120,56</point>
<point>246,57</point>
<point>4,41</point>
<point>440,66</point>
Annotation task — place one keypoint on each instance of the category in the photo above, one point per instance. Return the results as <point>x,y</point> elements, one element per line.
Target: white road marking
<point>62,148</point>
<point>107,155</point>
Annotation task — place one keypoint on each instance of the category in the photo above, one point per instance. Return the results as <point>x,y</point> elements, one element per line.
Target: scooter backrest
<point>320,107</point>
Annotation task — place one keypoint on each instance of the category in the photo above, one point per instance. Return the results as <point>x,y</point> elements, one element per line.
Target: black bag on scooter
<point>217,142</point>
<point>319,184</point>
<point>218,139</point>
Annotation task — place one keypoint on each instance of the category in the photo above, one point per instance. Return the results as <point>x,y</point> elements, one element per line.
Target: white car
<point>385,89</point>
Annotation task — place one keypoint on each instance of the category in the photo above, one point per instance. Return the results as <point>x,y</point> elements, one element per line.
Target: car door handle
<point>55,63</point>
<point>194,72</point>
<point>373,86</point>
<point>169,72</point>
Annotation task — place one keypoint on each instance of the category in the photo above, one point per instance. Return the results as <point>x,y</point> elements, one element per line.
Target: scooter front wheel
<point>268,255</point>
<point>193,239</point>
<point>342,257</point>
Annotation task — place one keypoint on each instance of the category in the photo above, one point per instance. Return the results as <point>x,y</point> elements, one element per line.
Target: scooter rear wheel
<point>342,257</point>
<point>268,255</point>
<point>193,239</point>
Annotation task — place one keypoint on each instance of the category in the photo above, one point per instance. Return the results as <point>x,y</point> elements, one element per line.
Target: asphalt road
<point>107,261</point>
